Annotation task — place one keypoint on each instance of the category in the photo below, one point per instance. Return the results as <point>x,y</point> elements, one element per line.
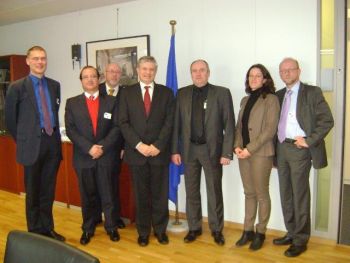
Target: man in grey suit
<point>304,122</point>
<point>31,112</point>
<point>203,136</point>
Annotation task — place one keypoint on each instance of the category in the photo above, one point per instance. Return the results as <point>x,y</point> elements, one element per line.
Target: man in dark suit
<point>203,135</point>
<point>304,122</point>
<point>111,87</point>
<point>31,112</point>
<point>146,121</point>
<point>91,125</point>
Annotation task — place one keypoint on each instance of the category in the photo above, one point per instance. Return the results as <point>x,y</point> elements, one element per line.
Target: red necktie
<point>45,109</point>
<point>147,101</point>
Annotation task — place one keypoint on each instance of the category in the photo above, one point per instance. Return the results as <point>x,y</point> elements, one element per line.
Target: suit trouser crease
<point>213,177</point>
<point>40,186</point>
<point>95,185</point>
<point>116,194</point>
<point>294,166</point>
<point>255,174</point>
<point>150,185</point>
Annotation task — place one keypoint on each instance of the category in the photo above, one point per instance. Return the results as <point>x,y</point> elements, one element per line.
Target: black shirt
<point>199,104</point>
<point>254,96</point>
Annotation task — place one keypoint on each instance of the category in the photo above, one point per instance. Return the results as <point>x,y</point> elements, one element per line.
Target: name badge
<point>107,115</point>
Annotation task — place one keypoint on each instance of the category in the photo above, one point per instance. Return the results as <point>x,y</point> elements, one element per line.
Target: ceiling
<point>14,11</point>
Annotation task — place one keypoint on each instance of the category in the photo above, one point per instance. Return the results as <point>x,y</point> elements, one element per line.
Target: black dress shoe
<point>120,223</point>
<point>286,240</point>
<point>54,235</point>
<point>114,235</point>
<point>192,235</point>
<point>294,250</point>
<point>218,238</point>
<point>246,237</point>
<point>85,238</point>
<point>258,241</point>
<point>143,241</point>
<point>162,238</point>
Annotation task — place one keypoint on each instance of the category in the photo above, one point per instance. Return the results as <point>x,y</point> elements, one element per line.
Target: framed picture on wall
<point>123,51</point>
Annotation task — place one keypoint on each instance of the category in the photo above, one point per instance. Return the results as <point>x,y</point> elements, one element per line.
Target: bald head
<point>289,71</point>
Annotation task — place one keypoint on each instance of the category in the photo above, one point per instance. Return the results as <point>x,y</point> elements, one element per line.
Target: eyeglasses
<point>114,72</point>
<point>285,71</point>
<point>89,77</point>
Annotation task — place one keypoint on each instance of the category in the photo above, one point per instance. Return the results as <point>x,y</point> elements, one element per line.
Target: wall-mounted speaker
<point>76,52</point>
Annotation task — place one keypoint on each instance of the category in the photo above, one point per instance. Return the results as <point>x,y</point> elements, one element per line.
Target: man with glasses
<point>305,120</point>
<point>91,125</point>
<point>31,113</point>
<point>111,87</point>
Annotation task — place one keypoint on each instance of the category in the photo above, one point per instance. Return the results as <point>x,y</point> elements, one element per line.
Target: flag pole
<point>178,225</point>
<point>172,23</point>
<point>177,221</point>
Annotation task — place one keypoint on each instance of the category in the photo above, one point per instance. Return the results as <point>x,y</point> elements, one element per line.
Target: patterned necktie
<point>45,109</point>
<point>110,91</point>
<point>282,125</point>
<point>147,101</point>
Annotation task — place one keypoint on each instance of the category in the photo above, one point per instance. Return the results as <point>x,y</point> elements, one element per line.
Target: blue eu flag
<point>171,82</point>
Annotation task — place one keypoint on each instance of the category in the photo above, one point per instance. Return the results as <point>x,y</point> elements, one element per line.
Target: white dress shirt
<point>293,128</point>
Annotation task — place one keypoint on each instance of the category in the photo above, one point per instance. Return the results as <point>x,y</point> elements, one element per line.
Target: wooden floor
<point>67,223</point>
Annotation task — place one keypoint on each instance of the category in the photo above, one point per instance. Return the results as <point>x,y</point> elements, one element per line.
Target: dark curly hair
<point>268,86</point>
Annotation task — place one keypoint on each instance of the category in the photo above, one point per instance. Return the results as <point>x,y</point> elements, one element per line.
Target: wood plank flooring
<point>68,221</point>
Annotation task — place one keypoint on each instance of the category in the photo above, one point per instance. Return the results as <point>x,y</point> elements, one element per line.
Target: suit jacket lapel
<point>210,102</point>
<point>155,98</point>
<point>139,100</point>
<point>30,89</point>
<point>188,103</point>
<point>82,107</point>
<point>301,96</point>
<point>101,112</point>
<point>281,96</point>
<point>256,106</point>
<point>52,96</point>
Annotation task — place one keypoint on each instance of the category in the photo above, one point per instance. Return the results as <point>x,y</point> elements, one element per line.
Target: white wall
<point>230,34</point>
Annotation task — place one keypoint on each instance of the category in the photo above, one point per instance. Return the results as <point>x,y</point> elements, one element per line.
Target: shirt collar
<point>108,87</point>
<point>143,85</point>
<point>295,88</point>
<point>87,95</point>
<point>35,78</point>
